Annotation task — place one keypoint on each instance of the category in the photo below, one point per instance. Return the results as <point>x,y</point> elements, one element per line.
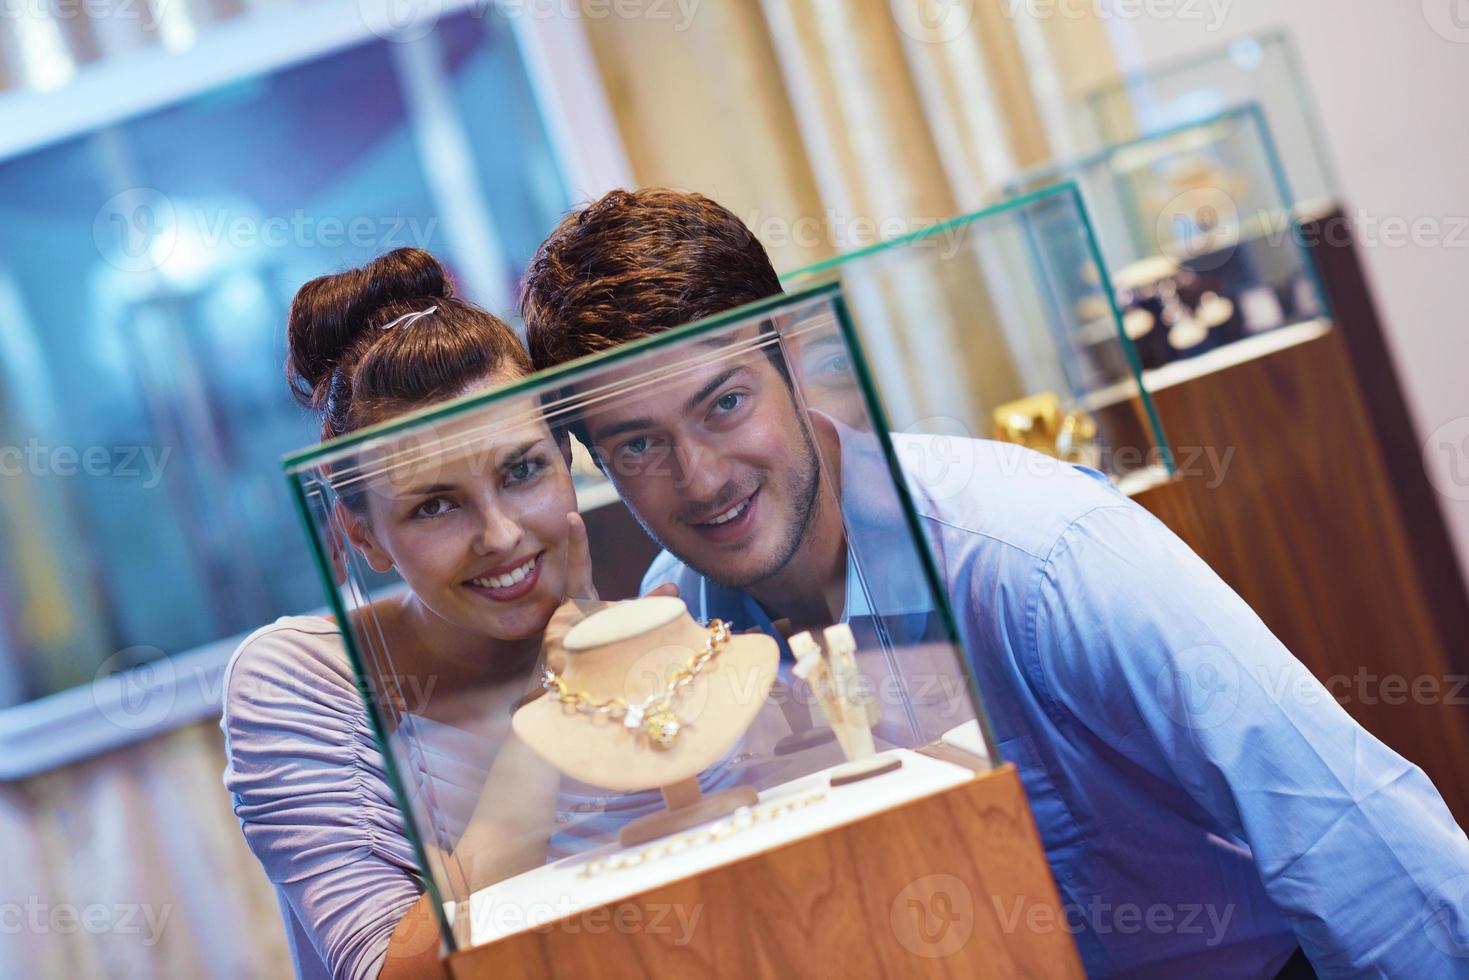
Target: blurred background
<point>171,171</point>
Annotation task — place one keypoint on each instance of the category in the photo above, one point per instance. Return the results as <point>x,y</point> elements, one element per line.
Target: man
<point>1206,807</point>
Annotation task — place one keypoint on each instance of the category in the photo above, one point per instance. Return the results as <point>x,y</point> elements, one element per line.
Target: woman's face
<point>473,515</point>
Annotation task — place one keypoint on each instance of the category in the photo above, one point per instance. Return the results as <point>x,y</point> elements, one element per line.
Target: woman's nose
<point>500,532</point>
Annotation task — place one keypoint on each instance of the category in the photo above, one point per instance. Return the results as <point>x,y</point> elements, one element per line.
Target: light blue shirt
<point>1205,804</point>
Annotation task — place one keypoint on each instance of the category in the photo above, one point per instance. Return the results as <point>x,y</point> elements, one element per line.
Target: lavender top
<point>308,785</point>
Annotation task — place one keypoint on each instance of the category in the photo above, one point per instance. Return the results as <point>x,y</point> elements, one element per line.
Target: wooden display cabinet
<point>929,888</point>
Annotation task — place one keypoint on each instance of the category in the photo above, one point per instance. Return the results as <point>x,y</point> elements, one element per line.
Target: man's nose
<point>701,471</point>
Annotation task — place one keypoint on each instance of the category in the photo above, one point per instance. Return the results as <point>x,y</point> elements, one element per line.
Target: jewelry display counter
<point>1297,484</point>
<point>897,892</point>
<point>1197,235</point>
<point>627,700</point>
<point>1266,70</point>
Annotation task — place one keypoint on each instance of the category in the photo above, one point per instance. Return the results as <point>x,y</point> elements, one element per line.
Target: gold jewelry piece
<point>1038,422</point>
<point>654,716</point>
<point>741,820</point>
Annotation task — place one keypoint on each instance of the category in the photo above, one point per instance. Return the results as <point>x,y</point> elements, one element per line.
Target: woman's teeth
<point>508,579</point>
<point>732,513</point>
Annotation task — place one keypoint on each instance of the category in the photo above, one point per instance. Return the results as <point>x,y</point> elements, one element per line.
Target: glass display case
<point>552,757</point>
<point>1001,325</point>
<point>1197,232</point>
<point>1264,70</point>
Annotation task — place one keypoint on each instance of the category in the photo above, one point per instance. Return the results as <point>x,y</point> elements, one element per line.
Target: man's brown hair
<point>634,263</point>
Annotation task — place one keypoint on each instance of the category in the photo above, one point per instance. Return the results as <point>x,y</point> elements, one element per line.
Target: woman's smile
<point>507,583</point>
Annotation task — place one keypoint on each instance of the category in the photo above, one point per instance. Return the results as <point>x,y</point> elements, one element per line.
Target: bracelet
<point>743,819</point>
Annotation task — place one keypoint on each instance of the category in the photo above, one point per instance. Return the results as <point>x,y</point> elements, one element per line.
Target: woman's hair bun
<point>332,314</point>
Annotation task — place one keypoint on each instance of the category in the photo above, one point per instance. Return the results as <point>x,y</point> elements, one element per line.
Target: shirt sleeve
<point>1137,640</point>
<point>307,786</point>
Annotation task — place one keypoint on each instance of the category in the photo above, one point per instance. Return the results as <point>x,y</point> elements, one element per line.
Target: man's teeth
<point>732,513</point>
<point>508,579</point>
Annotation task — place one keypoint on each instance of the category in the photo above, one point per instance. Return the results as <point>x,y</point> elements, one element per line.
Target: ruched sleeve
<point>308,788</point>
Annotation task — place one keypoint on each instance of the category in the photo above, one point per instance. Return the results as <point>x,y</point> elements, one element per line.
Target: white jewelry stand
<point>630,650</point>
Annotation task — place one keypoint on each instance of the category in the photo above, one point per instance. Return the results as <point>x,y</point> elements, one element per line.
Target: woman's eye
<point>524,470</point>
<point>840,364</point>
<point>437,507</point>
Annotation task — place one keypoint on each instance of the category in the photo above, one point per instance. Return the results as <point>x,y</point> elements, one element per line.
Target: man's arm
<point>1140,642</point>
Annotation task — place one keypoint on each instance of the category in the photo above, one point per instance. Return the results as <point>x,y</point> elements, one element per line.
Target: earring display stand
<point>804,732</point>
<point>848,706</point>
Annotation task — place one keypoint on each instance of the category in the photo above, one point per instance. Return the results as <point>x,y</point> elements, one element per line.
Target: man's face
<point>714,461</point>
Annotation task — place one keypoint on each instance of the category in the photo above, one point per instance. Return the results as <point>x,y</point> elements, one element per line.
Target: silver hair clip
<point>408,318</point>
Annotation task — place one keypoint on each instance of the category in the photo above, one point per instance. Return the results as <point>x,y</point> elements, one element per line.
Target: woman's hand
<point>579,584</point>
<point>581,592</point>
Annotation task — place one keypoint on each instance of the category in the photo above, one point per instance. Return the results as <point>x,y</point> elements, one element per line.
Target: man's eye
<point>437,507</point>
<point>636,447</point>
<point>838,364</point>
<point>729,402</point>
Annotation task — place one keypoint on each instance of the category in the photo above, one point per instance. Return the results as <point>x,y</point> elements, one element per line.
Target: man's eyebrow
<point>713,386</point>
<point>618,428</point>
<point>634,425</point>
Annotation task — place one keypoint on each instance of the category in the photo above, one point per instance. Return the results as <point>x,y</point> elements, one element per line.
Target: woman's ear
<point>354,528</point>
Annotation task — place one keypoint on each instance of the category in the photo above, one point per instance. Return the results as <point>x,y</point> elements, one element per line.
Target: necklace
<point>654,715</point>
<point>741,820</point>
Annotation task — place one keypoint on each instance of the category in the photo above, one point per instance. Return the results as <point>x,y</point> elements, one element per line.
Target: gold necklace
<point>741,820</point>
<point>654,715</point>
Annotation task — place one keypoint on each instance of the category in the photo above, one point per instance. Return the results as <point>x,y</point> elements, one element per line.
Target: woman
<point>487,553</point>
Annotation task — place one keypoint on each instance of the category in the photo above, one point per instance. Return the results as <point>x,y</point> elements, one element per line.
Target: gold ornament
<point>1038,422</point>
<point>654,717</point>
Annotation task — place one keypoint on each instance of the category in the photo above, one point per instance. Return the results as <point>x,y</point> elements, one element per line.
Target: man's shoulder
<point>1000,491</point>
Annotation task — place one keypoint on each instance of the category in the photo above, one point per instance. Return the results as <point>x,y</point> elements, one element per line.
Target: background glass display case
<point>1264,70</point>
<point>1197,232</point>
<point>1000,325</point>
<point>550,776</point>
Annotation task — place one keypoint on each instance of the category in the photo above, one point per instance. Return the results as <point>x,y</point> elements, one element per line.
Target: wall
<point>1389,80</point>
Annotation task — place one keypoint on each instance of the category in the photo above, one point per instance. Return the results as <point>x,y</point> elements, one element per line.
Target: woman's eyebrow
<point>518,453</point>
<point>428,490</point>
